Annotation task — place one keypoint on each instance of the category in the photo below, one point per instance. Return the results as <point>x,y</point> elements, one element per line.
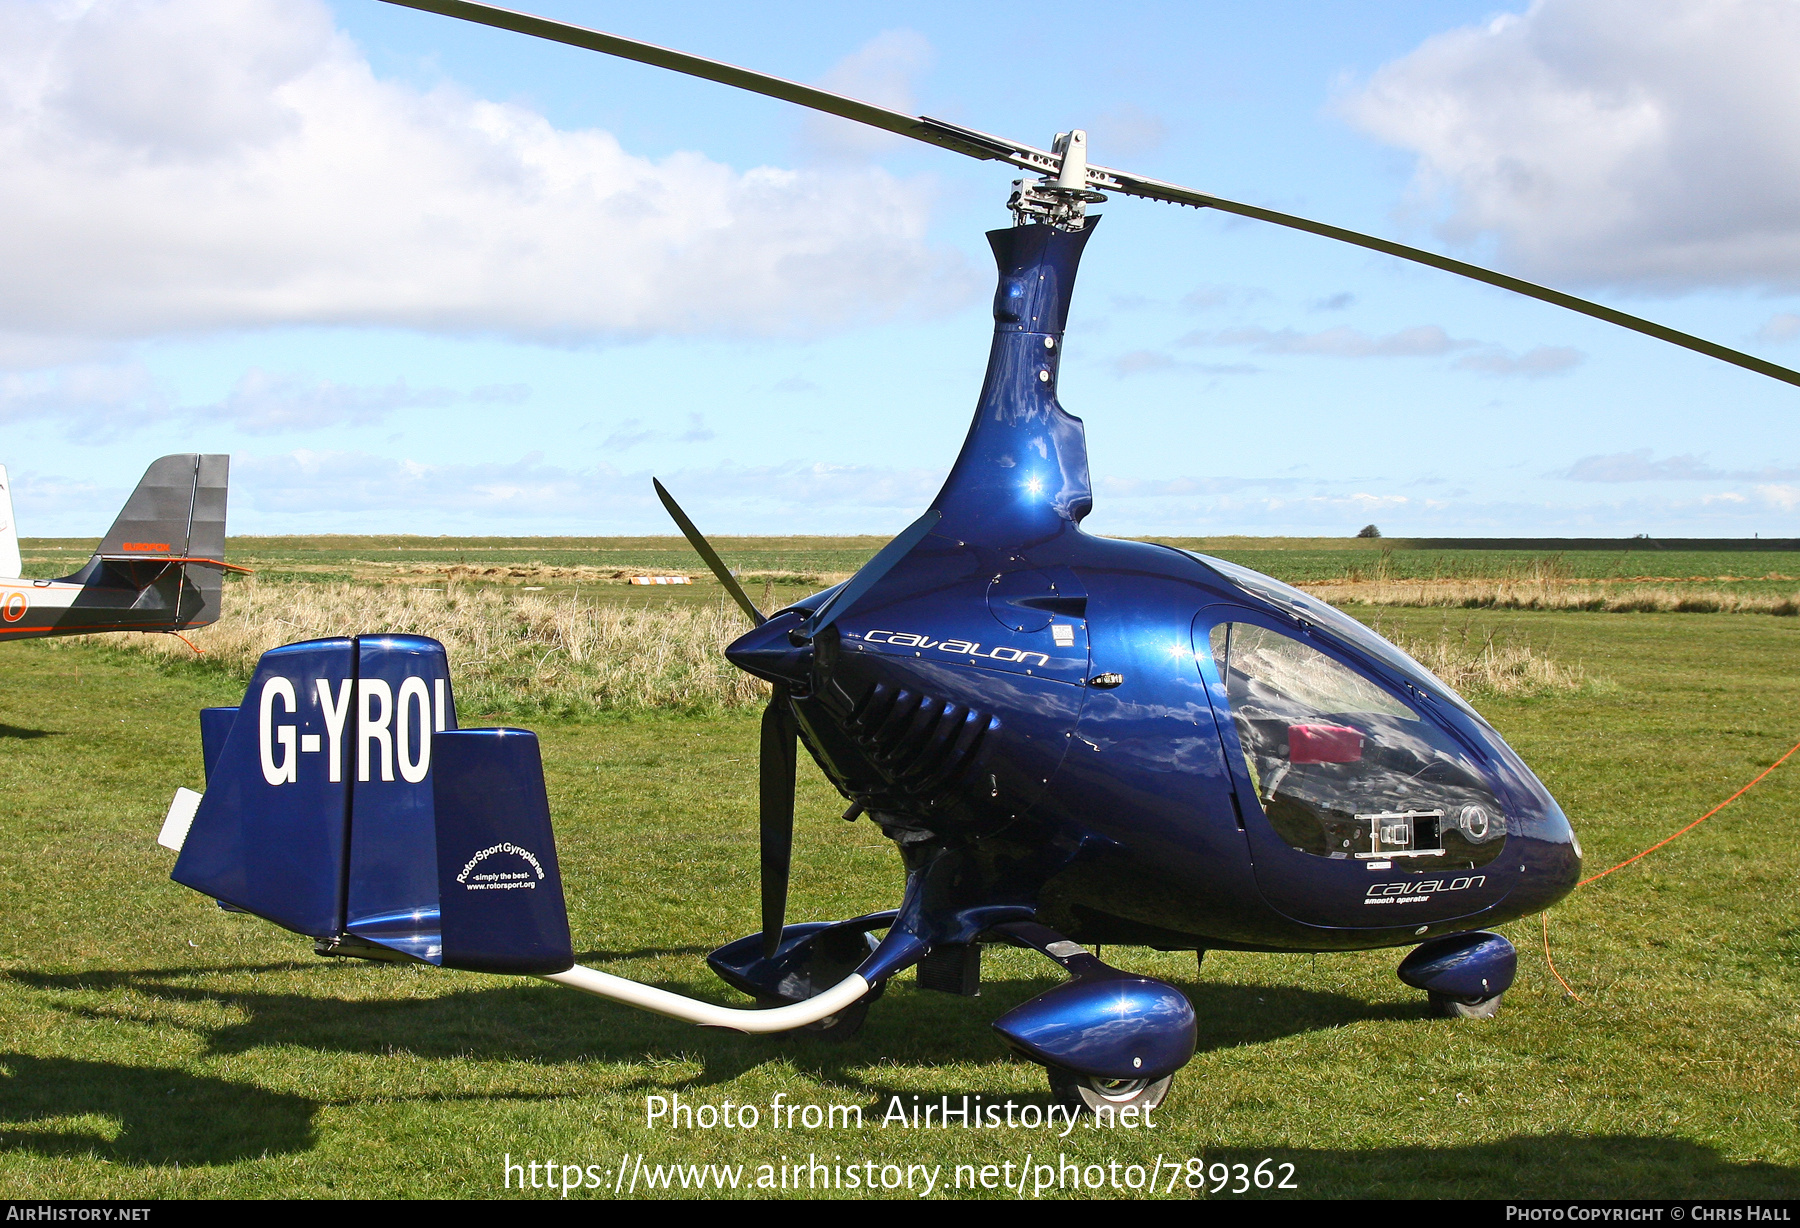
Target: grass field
<point>155,1046</point>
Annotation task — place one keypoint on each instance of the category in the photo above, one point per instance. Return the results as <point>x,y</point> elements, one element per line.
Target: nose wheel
<point>1464,975</point>
<point>1461,1008</point>
<point>1079,1092</point>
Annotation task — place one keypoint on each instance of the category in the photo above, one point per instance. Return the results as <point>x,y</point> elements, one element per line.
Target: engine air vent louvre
<point>922,745</point>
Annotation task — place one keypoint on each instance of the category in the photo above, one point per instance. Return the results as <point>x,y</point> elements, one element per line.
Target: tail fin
<point>177,495</point>
<point>342,803</point>
<point>176,514</point>
<point>10,566</point>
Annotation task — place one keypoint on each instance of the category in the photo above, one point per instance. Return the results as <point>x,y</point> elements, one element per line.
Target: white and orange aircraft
<point>159,568</point>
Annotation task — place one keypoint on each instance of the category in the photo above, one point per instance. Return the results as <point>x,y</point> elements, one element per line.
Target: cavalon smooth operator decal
<point>1419,892</point>
<point>958,648</point>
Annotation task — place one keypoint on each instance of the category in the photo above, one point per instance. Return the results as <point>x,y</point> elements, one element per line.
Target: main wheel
<point>1086,1092</point>
<point>1458,1008</point>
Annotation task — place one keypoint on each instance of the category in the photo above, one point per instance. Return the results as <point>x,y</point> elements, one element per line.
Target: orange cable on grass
<point>1690,827</point>
<point>1545,916</point>
<point>185,640</point>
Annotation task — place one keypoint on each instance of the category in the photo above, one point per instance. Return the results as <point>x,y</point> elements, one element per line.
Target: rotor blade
<point>706,552</point>
<point>1151,189</point>
<point>775,819</point>
<point>947,136</point>
<point>873,570</point>
<point>986,146</point>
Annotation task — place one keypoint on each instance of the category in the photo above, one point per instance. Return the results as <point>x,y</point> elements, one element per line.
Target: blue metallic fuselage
<point>1038,718</point>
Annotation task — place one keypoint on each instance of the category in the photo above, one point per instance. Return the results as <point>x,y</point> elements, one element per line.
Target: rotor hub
<point>1062,201</point>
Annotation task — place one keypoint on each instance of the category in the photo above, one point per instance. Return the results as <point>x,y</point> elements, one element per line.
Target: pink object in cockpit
<point>1324,744</point>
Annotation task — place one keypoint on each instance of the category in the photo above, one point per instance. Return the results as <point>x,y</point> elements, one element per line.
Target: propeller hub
<point>777,652</point>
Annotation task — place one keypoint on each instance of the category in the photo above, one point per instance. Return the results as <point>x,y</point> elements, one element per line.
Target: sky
<point>420,276</point>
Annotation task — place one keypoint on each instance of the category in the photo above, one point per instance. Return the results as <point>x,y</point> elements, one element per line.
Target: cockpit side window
<point>1342,768</point>
<point>1287,671</point>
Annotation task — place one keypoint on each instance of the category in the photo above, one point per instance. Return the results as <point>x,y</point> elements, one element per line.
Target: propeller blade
<point>974,144</point>
<point>775,790</point>
<point>873,570</point>
<point>706,552</point>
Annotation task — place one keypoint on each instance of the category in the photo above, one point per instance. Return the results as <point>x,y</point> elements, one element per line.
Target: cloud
<point>1425,340</point>
<point>1335,302</point>
<point>171,166</point>
<point>1420,341</point>
<point>1125,131</point>
<point>1138,362</point>
<point>1784,326</point>
<point>48,505</point>
<point>368,493</point>
<point>89,401</point>
<point>881,71</point>
<point>1169,488</point>
<point>331,483</point>
<point>1782,498</point>
<point>1533,364</point>
<point>264,404</point>
<point>632,432</point>
<point>1637,466</point>
<point>1207,506</point>
<point>97,401</point>
<point>1653,145</point>
<point>628,435</point>
<point>1204,298</point>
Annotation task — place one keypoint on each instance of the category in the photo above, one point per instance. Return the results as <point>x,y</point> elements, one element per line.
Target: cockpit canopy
<point>1342,768</point>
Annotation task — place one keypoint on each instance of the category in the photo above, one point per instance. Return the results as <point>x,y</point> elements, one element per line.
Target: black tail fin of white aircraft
<point>159,568</point>
<point>176,514</point>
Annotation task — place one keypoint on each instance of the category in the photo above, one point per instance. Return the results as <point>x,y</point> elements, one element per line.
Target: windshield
<point>1341,768</point>
<point>1310,608</point>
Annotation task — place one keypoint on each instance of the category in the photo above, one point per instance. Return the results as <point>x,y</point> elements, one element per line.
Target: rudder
<point>10,563</point>
<point>343,803</point>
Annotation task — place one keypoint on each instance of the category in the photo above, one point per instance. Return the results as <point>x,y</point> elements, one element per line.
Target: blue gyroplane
<point>1071,741</point>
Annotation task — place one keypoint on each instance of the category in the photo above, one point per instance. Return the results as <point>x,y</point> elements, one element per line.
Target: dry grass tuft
<point>1479,661</point>
<point>518,653</point>
<point>1549,593</point>
<point>510,652</point>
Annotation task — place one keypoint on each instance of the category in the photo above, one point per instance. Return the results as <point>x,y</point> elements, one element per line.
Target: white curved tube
<point>675,1006</point>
